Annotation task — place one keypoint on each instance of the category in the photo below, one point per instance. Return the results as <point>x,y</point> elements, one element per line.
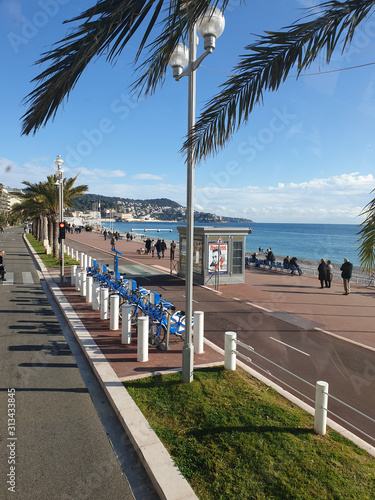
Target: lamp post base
<point>187,363</point>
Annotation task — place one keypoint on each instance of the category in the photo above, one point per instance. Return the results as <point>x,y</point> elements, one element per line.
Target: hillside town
<point>92,210</point>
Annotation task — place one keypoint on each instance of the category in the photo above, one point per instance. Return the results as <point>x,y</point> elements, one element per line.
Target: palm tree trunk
<point>55,247</point>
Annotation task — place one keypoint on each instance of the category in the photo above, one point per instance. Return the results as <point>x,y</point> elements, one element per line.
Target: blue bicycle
<point>158,325</point>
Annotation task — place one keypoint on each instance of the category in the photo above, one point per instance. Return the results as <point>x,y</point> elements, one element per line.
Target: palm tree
<point>107,27</point>
<point>41,201</point>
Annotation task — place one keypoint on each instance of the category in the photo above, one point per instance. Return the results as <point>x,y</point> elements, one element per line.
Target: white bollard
<point>142,334</point>
<point>89,261</point>
<point>114,308</point>
<point>321,407</point>
<point>89,281</point>
<point>77,255</point>
<point>104,303</point>
<point>78,279</point>
<point>230,348</point>
<point>73,273</point>
<point>95,296</point>
<point>81,254</point>
<point>198,332</point>
<point>85,262</point>
<point>126,326</point>
<point>83,278</point>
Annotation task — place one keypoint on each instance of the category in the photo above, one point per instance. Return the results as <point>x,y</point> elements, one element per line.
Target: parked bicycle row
<point>162,314</point>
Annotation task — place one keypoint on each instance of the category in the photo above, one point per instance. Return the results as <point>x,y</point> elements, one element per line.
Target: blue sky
<point>306,155</point>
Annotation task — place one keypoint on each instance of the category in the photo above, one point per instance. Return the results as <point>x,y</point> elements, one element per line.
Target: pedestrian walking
<point>346,273</point>
<point>105,234</point>
<point>148,246</point>
<point>158,248</point>
<point>2,267</point>
<point>323,273</point>
<point>329,273</point>
<point>173,248</point>
<point>113,242</point>
<point>163,247</point>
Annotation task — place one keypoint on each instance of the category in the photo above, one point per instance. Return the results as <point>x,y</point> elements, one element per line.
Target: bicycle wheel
<point>156,333</point>
<point>136,311</point>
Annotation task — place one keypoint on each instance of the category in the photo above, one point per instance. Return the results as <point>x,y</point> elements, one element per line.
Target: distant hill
<point>162,209</point>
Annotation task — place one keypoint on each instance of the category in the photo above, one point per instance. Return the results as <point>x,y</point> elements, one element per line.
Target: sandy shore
<point>311,267</point>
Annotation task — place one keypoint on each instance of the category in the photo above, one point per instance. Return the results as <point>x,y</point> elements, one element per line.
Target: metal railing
<point>321,388</point>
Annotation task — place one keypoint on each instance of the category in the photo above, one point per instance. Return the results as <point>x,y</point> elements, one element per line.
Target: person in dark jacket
<point>323,273</point>
<point>346,273</point>
<point>163,247</point>
<point>2,267</point>
<point>158,248</point>
<point>270,257</point>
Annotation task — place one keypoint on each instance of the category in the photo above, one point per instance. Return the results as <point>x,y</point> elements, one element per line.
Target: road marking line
<point>287,345</point>
<point>9,279</point>
<point>259,307</point>
<point>27,278</point>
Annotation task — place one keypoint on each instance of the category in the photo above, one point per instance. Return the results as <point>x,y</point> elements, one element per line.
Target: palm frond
<point>367,238</point>
<point>268,64</point>
<point>106,29</point>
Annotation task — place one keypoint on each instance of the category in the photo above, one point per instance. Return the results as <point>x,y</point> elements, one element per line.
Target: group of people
<point>292,264</point>
<point>159,247</point>
<point>325,274</point>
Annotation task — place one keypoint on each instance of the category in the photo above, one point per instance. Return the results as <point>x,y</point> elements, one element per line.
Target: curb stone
<point>163,472</point>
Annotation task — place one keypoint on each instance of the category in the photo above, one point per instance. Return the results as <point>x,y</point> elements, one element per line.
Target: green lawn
<point>48,260</point>
<point>234,438</point>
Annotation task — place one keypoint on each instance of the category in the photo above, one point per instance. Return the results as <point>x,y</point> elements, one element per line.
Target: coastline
<point>309,267</point>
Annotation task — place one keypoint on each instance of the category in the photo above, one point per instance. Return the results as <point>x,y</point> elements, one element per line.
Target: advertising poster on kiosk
<point>218,257</point>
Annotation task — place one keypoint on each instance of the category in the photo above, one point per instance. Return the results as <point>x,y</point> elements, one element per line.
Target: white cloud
<point>335,199</point>
<point>147,177</point>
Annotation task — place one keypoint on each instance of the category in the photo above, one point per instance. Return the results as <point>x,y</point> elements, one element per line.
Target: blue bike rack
<point>115,263</point>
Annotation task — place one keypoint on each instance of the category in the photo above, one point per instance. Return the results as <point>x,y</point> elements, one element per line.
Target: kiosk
<point>218,254</point>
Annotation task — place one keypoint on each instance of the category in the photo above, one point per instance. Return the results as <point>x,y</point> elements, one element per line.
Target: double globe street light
<point>210,26</point>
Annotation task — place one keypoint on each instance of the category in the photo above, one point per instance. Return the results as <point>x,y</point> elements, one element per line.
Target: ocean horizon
<point>304,241</point>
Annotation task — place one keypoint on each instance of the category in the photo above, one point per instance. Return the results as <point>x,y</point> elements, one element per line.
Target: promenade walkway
<point>351,317</point>
<point>268,302</point>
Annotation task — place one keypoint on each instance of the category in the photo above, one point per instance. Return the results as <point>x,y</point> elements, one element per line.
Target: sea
<point>304,241</point>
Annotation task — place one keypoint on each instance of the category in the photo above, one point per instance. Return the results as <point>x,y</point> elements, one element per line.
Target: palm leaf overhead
<point>267,65</point>
<point>105,30</point>
<point>367,238</point>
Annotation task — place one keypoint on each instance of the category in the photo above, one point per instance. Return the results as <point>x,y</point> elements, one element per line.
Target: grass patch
<point>233,437</point>
<point>48,260</point>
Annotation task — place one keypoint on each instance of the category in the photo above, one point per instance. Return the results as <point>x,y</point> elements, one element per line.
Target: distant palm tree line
<point>40,204</point>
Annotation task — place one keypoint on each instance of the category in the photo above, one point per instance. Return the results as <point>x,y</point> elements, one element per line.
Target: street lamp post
<point>60,183</point>
<point>210,26</point>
